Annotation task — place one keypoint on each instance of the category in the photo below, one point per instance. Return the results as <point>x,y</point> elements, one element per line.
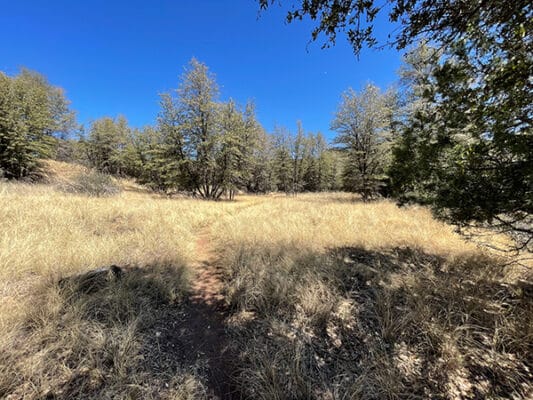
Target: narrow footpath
<point>204,317</point>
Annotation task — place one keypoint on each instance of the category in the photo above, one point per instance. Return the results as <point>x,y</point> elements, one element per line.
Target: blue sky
<point>114,57</point>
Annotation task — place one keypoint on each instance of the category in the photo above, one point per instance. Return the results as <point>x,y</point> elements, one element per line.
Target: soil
<point>193,334</point>
<point>205,314</point>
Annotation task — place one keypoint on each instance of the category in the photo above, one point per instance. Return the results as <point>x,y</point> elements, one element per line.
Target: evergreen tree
<point>363,123</point>
<point>135,156</point>
<point>253,164</point>
<point>170,158</point>
<point>197,112</point>
<point>466,149</point>
<point>263,170</point>
<point>231,160</point>
<point>299,150</point>
<point>317,164</point>
<point>206,147</point>
<point>31,113</point>
<point>282,161</point>
<point>413,158</point>
<point>478,145</point>
<point>105,144</point>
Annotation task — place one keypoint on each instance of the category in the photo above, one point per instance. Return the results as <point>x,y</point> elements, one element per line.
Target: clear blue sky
<point>114,57</point>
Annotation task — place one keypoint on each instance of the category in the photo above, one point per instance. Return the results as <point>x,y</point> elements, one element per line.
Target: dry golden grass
<point>46,231</point>
<point>319,221</point>
<point>337,299</point>
<point>330,298</point>
<point>52,341</point>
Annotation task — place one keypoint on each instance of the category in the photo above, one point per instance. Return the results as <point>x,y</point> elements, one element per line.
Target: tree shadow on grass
<point>394,323</point>
<point>129,335</point>
<point>351,323</point>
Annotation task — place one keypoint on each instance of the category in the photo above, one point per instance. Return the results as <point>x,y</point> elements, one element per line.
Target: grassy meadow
<point>325,297</point>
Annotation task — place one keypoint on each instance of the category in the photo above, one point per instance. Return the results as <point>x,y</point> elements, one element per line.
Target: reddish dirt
<point>204,317</point>
<point>207,287</point>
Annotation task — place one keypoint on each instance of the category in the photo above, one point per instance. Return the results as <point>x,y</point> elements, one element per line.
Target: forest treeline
<point>432,139</point>
<point>206,147</point>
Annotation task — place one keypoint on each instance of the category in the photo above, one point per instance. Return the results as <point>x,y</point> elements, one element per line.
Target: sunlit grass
<point>328,297</point>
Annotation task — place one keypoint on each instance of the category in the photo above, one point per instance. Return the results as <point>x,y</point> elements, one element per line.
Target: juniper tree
<point>231,158</point>
<point>136,155</point>
<point>254,162</point>
<point>197,112</point>
<point>170,157</point>
<point>206,147</point>
<point>31,112</point>
<point>466,147</point>
<point>105,144</point>
<point>413,157</point>
<point>363,124</point>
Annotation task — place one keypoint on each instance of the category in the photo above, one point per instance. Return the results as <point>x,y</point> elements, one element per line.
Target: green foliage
<point>105,144</point>
<point>199,145</point>
<point>210,148</point>
<point>197,111</point>
<point>467,150</point>
<point>443,21</point>
<point>282,160</point>
<point>31,112</point>
<point>364,126</point>
<point>232,159</point>
<point>258,163</point>
<point>318,175</point>
<point>303,162</point>
<point>466,145</point>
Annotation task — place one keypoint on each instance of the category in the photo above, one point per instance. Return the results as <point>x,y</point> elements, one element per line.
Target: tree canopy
<point>32,114</point>
<point>466,143</point>
<point>444,21</point>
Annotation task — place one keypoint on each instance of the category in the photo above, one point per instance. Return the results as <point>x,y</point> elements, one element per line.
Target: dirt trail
<point>204,318</point>
<point>207,287</point>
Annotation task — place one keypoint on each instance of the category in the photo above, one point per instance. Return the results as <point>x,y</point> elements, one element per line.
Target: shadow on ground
<point>131,334</point>
<point>295,324</point>
<point>396,323</point>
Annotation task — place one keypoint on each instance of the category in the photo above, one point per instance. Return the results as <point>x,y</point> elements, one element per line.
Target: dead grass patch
<point>328,298</point>
<point>72,342</point>
<point>366,301</point>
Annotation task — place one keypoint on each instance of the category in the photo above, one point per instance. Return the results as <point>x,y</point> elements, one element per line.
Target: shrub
<point>93,184</point>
